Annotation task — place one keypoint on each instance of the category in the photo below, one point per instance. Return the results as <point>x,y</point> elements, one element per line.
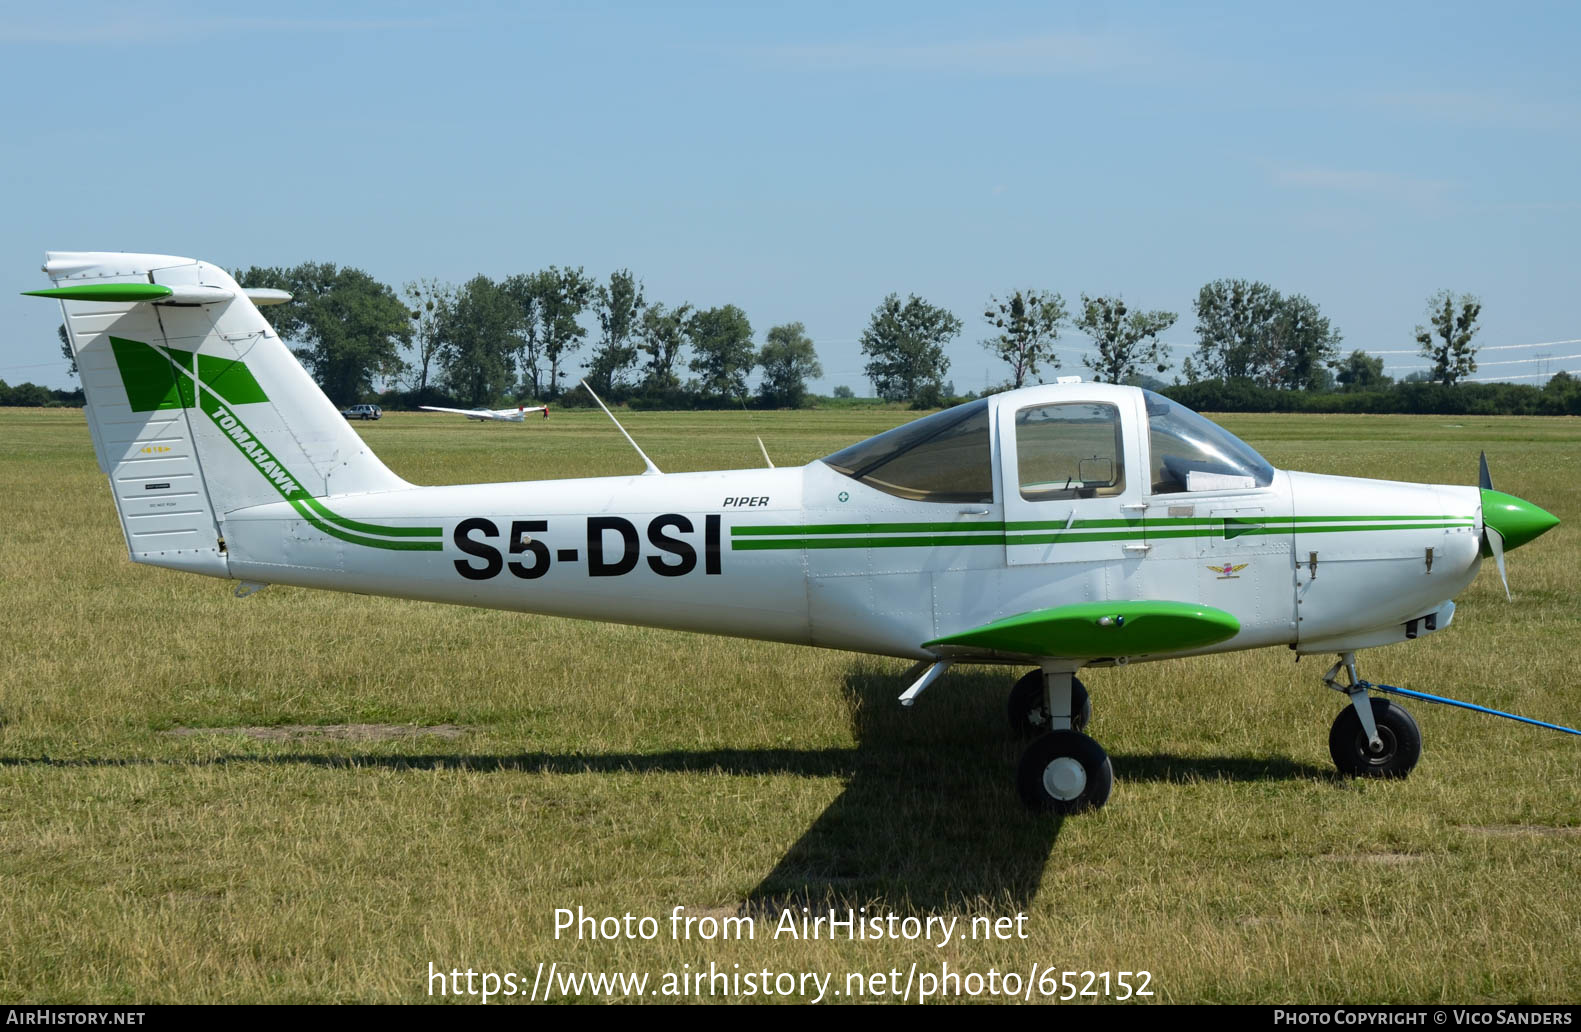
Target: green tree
<point>1235,320</point>
<point>425,300</point>
<point>1028,322</point>
<point>477,333</point>
<point>618,306</point>
<point>562,297</point>
<point>1126,340</point>
<point>1302,348</point>
<point>524,290</point>
<point>661,336</point>
<point>843,391</point>
<point>789,361</point>
<point>65,348</point>
<point>722,351</point>
<point>1563,394</point>
<point>349,327</point>
<point>904,343</point>
<point>1448,343</point>
<point>1361,372</point>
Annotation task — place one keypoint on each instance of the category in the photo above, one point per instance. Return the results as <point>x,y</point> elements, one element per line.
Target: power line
<point>36,365</point>
<point>1500,379</point>
<point>1508,361</point>
<point>1497,347</point>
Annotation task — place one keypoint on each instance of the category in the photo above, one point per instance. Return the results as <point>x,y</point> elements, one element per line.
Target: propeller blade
<point>1495,542</point>
<point>1485,481</point>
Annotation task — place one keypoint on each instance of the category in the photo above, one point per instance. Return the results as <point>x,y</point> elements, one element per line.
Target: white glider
<point>504,415</point>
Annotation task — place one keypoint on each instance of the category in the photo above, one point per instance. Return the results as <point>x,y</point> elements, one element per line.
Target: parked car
<point>362,412</point>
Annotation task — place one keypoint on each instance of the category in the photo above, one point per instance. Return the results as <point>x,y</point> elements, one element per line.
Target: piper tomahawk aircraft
<point>1057,527</point>
<point>504,415</point>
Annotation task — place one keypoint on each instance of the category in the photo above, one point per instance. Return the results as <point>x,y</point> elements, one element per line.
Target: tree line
<point>532,336</point>
<point>523,338</point>
<point>1247,332</point>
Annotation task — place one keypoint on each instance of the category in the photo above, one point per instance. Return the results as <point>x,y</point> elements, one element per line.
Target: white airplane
<point>504,415</point>
<point>1057,527</point>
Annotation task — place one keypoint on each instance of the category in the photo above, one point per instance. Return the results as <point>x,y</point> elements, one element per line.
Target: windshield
<point>945,457</point>
<point>1192,454</point>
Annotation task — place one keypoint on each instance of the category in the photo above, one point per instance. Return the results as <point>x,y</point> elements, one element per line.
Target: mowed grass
<point>627,770</point>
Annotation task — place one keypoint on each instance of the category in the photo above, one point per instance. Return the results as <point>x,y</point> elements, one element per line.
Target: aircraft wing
<point>474,413</point>
<point>1093,630</point>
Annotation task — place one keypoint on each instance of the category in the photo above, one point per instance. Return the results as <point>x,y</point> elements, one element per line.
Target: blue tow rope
<point>1390,689</point>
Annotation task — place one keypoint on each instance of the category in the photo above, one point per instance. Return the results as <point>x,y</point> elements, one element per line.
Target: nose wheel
<point>1397,748</point>
<point>1371,738</point>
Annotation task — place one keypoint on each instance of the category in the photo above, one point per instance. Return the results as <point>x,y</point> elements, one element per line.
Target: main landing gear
<point>1062,771</point>
<point>1029,709</point>
<point>1371,738</point>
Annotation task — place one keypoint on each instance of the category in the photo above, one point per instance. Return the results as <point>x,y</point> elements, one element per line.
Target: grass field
<point>455,775</point>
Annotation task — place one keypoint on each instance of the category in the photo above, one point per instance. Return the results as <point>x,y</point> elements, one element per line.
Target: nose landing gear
<point>1372,738</point>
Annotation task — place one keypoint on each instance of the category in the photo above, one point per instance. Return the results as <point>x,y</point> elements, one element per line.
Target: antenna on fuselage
<point>645,460</point>
<point>762,449</point>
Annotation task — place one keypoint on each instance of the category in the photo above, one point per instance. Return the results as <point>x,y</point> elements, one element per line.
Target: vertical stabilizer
<point>196,407</point>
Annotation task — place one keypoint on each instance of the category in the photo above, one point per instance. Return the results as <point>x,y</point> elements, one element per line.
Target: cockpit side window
<point>1189,453</point>
<point>945,457</point>
<point>1072,450</point>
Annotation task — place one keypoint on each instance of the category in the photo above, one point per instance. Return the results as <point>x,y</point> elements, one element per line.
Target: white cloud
<point>1043,55</point>
<point>1390,186</point>
<point>1486,109</point>
<point>155,28</point>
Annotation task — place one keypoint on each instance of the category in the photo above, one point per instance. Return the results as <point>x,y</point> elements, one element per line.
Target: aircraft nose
<point>1517,520</point>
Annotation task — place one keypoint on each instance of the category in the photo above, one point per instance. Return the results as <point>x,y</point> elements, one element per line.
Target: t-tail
<point>197,409</point>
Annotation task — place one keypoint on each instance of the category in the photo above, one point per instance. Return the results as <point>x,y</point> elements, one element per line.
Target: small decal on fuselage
<point>1229,571</point>
<point>749,502</point>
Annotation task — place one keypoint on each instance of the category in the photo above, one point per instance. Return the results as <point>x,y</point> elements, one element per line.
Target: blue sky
<point>804,160</point>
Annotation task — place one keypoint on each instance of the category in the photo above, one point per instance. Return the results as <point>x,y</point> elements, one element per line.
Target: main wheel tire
<point>1029,711</point>
<point>1064,772</point>
<point>1402,742</point>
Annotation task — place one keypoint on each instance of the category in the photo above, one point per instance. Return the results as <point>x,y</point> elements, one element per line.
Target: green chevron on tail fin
<point>162,379</point>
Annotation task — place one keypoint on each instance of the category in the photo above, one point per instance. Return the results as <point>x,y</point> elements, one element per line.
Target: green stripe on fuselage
<point>305,504</point>
<point>904,535</point>
<point>1208,523</point>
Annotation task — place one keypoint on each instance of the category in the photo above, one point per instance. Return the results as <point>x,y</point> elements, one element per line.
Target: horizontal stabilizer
<point>157,293</point>
<point>1095,630</point>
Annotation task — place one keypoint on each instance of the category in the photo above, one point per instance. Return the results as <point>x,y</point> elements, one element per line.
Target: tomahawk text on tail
<point>1060,527</point>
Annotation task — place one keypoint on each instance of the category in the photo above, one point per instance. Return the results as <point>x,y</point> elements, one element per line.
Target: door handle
<point>974,512</point>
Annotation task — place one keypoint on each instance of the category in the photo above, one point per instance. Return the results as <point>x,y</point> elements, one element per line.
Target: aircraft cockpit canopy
<point>945,457</point>
<point>1066,450</point>
<point>1189,453</point>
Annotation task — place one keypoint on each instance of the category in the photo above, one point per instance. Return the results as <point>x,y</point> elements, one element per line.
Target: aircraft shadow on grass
<point>925,823</point>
